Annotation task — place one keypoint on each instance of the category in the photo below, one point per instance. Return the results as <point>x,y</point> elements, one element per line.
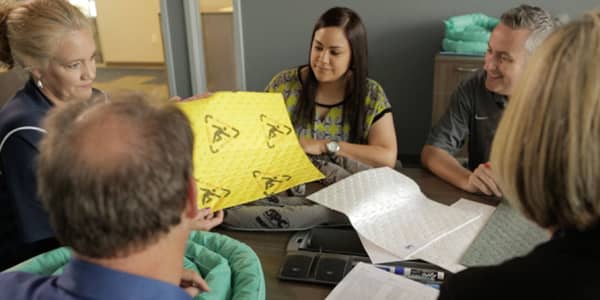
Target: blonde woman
<point>546,155</point>
<point>53,41</point>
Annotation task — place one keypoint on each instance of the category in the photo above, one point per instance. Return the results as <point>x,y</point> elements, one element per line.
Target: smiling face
<point>71,69</point>
<point>330,54</point>
<point>505,58</point>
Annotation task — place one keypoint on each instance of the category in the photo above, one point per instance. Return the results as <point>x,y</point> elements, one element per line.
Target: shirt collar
<point>501,100</point>
<point>30,88</point>
<point>91,281</point>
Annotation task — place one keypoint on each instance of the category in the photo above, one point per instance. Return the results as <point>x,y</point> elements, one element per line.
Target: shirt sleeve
<point>18,156</point>
<point>377,103</point>
<point>274,85</point>
<point>450,132</point>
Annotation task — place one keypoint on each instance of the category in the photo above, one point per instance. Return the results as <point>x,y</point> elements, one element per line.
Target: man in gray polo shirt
<point>477,104</point>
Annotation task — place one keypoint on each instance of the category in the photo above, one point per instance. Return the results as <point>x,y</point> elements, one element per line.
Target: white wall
<point>215,5</point>
<point>129,31</point>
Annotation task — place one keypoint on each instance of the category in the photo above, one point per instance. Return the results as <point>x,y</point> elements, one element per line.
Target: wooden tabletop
<point>270,246</point>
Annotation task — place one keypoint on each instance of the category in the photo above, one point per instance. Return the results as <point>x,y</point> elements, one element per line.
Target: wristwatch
<point>332,147</point>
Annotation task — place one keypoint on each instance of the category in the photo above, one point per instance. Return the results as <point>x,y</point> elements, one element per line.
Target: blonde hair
<point>547,148</point>
<point>30,31</point>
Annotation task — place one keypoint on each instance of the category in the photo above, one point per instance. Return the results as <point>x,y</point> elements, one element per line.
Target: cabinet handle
<point>466,70</point>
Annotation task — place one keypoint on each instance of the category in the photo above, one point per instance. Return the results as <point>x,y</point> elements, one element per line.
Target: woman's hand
<point>312,146</point>
<point>192,283</point>
<point>207,220</point>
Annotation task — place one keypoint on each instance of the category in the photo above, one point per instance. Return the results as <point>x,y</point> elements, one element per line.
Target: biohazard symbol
<point>219,133</point>
<point>209,193</point>
<point>274,130</point>
<point>268,182</point>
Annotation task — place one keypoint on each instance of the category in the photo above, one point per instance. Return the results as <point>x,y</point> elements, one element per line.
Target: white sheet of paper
<point>368,282</point>
<point>388,209</point>
<point>447,251</point>
<point>378,255</point>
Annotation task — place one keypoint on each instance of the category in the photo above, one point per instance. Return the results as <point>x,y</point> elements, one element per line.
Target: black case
<point>326,255</point>
<point>322,255</point>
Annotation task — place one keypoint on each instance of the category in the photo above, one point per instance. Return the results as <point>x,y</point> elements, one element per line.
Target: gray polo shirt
<point>474,112</point>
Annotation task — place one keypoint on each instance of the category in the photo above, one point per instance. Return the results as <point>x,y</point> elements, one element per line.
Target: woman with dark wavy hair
<point>334,107</point>
<point>342,118</point>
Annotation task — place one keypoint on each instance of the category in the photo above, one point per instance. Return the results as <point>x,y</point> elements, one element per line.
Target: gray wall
<point>404,37</point>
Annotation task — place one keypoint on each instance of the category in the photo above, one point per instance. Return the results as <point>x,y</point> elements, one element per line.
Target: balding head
<point>104,139</point>
<point>114,175</point>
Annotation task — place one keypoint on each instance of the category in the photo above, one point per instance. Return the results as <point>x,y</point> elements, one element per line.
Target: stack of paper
<point>447,251</point>
<point>391,214</point>
<point>368,282</point>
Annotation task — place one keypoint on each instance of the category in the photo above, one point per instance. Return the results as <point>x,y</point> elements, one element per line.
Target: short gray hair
<point>538,21</point>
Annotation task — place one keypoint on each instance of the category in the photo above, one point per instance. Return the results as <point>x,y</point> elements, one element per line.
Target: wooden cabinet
<point>449,71</point>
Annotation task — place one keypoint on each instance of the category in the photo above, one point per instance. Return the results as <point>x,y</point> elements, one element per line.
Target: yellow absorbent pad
<point>245,148</point>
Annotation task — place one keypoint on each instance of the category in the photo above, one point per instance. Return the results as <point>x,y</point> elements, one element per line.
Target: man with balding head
<point>116,178</point>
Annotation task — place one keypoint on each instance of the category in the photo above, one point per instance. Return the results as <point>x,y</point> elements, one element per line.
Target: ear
<point>36,73</point>
<point>191,206</point>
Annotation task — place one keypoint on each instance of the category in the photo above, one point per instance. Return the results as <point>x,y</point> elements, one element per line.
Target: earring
<point>39,84</point>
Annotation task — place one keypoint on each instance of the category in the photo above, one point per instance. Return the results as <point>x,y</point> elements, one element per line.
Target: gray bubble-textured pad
<point>507,234</point>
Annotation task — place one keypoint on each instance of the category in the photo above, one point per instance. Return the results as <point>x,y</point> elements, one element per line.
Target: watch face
<point>333,147</point>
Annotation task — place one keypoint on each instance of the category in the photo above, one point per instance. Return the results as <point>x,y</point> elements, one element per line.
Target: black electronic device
<point>326,255</point>
<point>322,255</point>
<point>328,240</point>
<point>318,267</point>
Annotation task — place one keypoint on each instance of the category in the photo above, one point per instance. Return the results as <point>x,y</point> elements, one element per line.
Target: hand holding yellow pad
<point>245,148</point>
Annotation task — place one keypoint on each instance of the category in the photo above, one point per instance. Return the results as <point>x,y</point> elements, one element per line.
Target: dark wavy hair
<point>356,86</point>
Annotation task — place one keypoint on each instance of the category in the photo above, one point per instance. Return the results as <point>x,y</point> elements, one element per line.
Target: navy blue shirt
<point>83,280</point>
<point>23,219</point>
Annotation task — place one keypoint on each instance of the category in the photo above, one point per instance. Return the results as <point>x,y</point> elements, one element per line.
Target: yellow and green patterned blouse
<point>289,84</point>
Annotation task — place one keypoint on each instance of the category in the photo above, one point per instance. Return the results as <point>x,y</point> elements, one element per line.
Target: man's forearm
<point>445,166</point>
